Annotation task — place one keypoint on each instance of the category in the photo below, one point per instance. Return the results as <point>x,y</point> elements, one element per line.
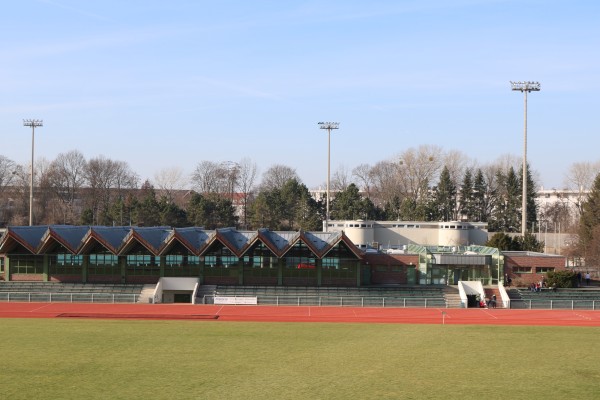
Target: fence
<point>38,297</point>
<point>344,301</point>
<point>552,304</point>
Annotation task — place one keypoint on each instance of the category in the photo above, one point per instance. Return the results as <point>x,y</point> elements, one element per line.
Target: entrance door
<point>411,275</point>
<point>182,298</point>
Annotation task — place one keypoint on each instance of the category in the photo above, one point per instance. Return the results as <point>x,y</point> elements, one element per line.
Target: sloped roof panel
<point>278,241</point>
<point>155,237</point>
<point>28,236</point>
<point>71,236</point>
<point>197,238</point>
<point>111,235</point>
<point>235,240</point>
<point>322,240</point>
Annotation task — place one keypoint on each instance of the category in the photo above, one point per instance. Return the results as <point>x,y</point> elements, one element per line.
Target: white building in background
<point>395,235</point>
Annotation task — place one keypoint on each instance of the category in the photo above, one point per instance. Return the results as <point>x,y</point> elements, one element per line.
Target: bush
<point>562,279</point>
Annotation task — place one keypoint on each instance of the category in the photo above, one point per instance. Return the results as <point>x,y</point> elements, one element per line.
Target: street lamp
<point>33,123</point>
<point>329,126</point>
<point>525,87</point>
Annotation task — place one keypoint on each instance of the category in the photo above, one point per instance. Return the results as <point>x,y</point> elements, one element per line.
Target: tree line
<point>421,184</point>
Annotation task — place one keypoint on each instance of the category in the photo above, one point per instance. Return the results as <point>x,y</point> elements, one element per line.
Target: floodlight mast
<point>525,87</point>
<point>32,123</point>
<point>329,126</point>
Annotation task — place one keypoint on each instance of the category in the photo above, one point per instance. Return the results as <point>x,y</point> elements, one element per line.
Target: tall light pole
<point>329,126</point>
<point>33,123</point>
<point>525,87</point>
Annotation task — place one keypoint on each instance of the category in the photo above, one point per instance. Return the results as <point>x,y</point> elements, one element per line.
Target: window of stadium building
<point>336,268</point>
<point>521,270</point>
<point>142,264</point>
<point>224,264</point>
<point>544,270</point>
<point>65,264</point>
<point>182,265</point>
<point>260,266</point>
<point>103,264</point>
<point>26,264</point>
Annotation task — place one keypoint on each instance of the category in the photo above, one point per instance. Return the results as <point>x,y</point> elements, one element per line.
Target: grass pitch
<point>116,359</point>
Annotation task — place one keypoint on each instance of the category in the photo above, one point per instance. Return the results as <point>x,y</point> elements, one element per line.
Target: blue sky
<point>164,84</point>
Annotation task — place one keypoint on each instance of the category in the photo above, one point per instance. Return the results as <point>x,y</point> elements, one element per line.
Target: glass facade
<point>260,262</point>
<point>182,265</point>
<point>26,264</point>
<point>143,264</point>
<point>104,263</point>
<point>65,264</point>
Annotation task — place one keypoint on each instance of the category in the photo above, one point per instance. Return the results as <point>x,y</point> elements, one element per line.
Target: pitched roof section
<point>69,237</point>
<point>159,240</point>
<point>27,236</point>
<point>152,238</point>
<point>236,241</point>
<point>277,242</point>
<point>194,239</point>
<point>110,237</point>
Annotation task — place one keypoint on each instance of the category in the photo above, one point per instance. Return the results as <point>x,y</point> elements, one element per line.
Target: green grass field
<point>116,359</point>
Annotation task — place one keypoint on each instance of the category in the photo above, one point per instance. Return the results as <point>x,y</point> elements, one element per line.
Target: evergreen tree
<point>467,197</point>
<point>349,204</point>
<point>532,209</point>
<point>285,208</point>
<point>443,202</point>
<point>481,198</point>
<point>147,211</point>
<point>211,211</point>
<point>589,223</point>
<point>502,241</point>
<point>171,214</point>
<point>529,243</point>
<point>507,203</point>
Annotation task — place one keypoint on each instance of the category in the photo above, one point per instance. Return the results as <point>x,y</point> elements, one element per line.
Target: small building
<point>398,234</point>
<point>527,267</point>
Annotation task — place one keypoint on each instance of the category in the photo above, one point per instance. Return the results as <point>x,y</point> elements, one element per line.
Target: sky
<point>168,84</point>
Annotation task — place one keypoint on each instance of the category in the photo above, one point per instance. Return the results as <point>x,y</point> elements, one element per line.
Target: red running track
<point>451,316</point>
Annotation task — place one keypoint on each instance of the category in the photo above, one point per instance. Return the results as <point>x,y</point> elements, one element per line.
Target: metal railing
<point>49,297</point>
<point>554,304</point>
<point>344,301</point>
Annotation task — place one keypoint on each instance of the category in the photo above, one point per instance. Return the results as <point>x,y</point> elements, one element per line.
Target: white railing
<point>345,301</point>
<point>554,304</point>
<point>49,297</point>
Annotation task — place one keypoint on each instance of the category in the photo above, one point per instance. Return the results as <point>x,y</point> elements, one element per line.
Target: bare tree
<point>8,170</point>
<point>168,180</point>
<point>205,178</point>
<point>246,179</point>
<point>277,175</point>
<point>45,209</point>
<point>66,177</point>
<point>457,163</point>
<point>385,182</point>
<point>580,177</point>
<point>105,177</point>
<point>227,177</point>
<point>418,168</point>
<point>341,179</point>
<point>20,196</point>
<point>364,177</point>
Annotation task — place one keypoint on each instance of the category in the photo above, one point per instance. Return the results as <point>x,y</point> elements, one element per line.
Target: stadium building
<point>143,255</point>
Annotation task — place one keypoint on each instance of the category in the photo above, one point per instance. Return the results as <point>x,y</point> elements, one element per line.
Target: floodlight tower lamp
<point>525,87</point>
